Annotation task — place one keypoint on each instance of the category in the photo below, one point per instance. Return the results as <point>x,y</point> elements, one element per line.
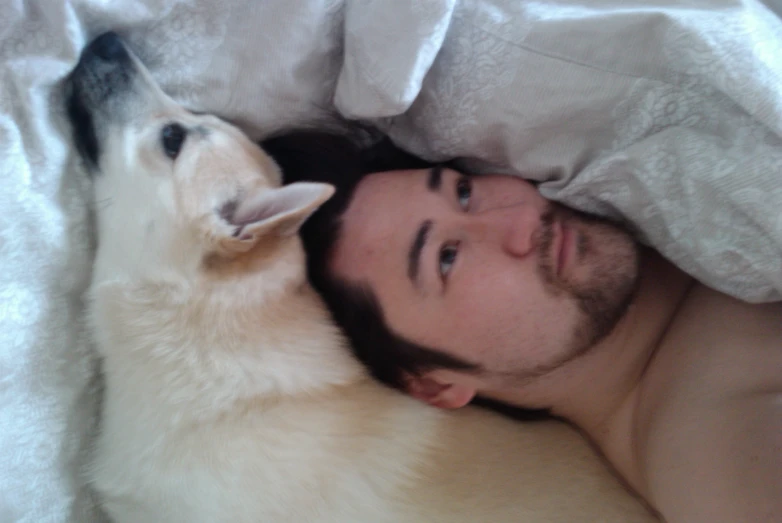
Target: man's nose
<point>514,228</point>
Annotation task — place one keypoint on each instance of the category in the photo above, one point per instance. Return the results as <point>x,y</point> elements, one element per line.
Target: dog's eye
<point>173,136</point>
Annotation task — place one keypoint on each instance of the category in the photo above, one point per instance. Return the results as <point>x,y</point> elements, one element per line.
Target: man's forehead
<point>375,222</point>
<point>388,183</point>
<point>383,196</point>
<point>363,240</point>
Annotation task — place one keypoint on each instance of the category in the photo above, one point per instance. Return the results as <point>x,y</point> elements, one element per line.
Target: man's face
<point>485,269</point>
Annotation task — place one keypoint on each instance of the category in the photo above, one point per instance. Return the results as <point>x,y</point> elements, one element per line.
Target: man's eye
<point>447,258</point>
<point>172,138</point>
<point>464,192</point>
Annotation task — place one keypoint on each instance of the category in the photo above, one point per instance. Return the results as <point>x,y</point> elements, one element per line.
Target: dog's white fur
<point>231,397</point>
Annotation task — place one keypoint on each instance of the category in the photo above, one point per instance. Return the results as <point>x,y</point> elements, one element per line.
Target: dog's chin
<point>82,126</point>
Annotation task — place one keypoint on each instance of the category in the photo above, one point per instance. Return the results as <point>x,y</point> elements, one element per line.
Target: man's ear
<point>278,211</point>
<point>440,388</point>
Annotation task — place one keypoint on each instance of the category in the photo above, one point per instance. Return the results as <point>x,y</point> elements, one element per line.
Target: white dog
<point>230,396</point>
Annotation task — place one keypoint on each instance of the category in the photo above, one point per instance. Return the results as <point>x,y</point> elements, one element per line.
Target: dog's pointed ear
<point>279,211</point>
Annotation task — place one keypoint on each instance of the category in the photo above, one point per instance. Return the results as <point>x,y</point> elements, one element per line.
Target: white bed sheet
<point>665,113</point>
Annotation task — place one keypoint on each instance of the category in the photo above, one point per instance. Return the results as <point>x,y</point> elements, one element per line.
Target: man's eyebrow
<point>435,178</point>
<point>414,255</point>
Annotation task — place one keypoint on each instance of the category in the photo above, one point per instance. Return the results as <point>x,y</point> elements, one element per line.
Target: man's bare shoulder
<point>709,419</point>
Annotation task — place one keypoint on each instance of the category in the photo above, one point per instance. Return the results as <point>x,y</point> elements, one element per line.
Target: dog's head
<point>174,190</point>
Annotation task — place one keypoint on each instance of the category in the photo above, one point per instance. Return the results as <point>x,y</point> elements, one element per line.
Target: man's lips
<point>563,244</point>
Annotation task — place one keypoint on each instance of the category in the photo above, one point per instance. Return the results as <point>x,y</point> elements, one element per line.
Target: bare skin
<point>682,392</point>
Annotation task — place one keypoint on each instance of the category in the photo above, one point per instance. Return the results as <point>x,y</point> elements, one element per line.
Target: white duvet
<point>667,114</point>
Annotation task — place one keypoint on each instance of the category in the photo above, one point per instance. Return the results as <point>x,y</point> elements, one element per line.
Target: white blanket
<point>668,115</point>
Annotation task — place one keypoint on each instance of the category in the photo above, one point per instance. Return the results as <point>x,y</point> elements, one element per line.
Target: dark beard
<point>605,297</point>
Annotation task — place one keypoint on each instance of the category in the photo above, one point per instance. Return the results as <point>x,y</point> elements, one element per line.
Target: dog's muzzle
<point>98,91</point>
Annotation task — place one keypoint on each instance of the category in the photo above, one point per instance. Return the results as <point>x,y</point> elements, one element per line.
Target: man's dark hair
<point>343,157</point>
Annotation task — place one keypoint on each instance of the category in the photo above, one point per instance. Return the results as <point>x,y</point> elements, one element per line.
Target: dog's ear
<point>280,212</point>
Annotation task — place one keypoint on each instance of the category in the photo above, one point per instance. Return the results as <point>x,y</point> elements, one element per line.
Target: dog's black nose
<point>109,47</point>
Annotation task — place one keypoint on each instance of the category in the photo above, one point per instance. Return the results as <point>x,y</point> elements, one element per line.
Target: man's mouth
<point>564,244</point>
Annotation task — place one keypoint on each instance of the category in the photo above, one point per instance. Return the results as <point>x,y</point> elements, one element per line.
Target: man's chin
<point>608,276</point>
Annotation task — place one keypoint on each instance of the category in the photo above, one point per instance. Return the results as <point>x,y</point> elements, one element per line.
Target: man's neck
<point>598,391</point>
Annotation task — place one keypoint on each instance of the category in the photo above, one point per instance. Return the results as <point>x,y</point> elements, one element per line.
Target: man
<point>452,287</point>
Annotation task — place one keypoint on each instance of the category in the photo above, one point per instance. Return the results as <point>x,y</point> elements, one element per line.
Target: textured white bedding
<point>666,113</point>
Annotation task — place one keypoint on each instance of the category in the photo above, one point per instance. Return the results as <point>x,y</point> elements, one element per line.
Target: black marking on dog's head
<point>83,129</point>
<point>98,91</point>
